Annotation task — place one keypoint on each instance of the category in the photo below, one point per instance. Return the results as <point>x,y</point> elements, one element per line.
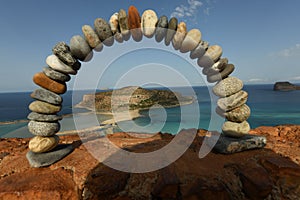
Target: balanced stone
<point>45,129</point>
<point>80,48</point>
<point>134,24</point>
<point>46,96</point>
<point>40,144</point>
<point>77,65</point>
<point>216,68</point>
<point>200,50</point>
<point>123,24</point>
<point>43,118</point>
<point>103,31</point>
<point>91,37</point>
<point>227,87</point>
<point>191,41</point>
<point>54,62</point>
<point>161,28</point>
<point>229,68</point>
<point>45,82</point>
<point>63,52</point>
<point>56,75</point>
<point>44,108</point>
<point>215,52</point>
<point>233,129</point>
<point>238,114</point>
<point>172,27</point>
<point>114,26</point>
<point>233,101</point>
<point>148,24</point>
<point>179,35</point>
<point>205,61</point>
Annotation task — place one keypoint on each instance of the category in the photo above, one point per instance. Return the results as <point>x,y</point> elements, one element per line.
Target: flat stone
<point>233,129</point>
<point>44,108</point>
<point>228,87</point>
<point>45,82</point>
<point>214,52</point>
<point>161,28</point>
<point>123,24</point>
<point>238,114</point>
<point>56,64</point>
<point>63,52</point>
<point>205,61</point>
<point>200,50</point>
<point>148,23</point>
<point>114,26</point>
<point>46,96</point>
<point>229,145</point>
<point>91,37</point>
<point>103,31</point>
<point>56,75</point>
<point>215,68</point>
<point>229,68</point>
<point>233,101</point>
<point>134,24</point>
<point>172,27</point>
<point>179,35</point>
<point>43,118</point>
<point>45,129</point>
<point>191,41</point>
<point>80,48</point>
<point>40,144</point>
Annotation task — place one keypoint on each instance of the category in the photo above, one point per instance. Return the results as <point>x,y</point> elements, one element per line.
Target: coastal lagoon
<point>268,108</point>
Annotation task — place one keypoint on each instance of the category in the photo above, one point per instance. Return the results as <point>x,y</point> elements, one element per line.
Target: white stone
<point>54,62</point>
<point>148,23</point>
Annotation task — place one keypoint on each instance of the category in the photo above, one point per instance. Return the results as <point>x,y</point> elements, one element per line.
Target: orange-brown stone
<point>45,82</point>
<point>134,23</point>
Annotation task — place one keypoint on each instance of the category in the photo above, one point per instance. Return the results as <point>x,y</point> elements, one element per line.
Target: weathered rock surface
<point>43,118</point>
<point>269,173</point>
<point>228,87</point>
<point>134,23</point>
<point>44,108</point>
<point>63,52</point>
<point>91,37</point>
<point>45,82</point>
<point>56,75</point>
<point>40,144</point>
<point>148,23</point>
<point>161,28</point>
<point>172,27</point>
<point>80,49</point>
<point>285,86</point>
<point>103,31</point>
<point>43,128</point>
<point>46,96</point>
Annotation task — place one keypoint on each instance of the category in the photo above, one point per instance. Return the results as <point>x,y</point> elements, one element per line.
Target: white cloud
<point>296,78</point>
<point>256,80</point>
<point>187,10</point>
<point>293,51</point>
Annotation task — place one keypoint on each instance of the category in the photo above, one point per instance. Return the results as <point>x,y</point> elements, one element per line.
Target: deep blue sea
<point>268,108</point>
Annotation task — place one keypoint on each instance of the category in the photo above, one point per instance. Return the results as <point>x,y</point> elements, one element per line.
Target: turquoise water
<point>268,108</point>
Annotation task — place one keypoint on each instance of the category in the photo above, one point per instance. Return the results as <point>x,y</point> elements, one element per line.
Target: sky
<point>261,38</point>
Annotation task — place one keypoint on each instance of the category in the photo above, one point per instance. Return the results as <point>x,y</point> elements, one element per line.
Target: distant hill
<point>285,86</point>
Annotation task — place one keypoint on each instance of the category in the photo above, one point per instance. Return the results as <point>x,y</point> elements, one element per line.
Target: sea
<point>268,108</point>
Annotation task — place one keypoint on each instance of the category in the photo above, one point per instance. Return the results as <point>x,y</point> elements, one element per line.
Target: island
<point>285,86</point>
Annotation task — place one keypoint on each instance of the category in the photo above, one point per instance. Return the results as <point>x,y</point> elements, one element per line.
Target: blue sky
<point>262,38</point>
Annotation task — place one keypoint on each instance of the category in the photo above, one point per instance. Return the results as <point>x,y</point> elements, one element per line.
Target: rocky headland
<point>285,86</point>
<point>269,173</point>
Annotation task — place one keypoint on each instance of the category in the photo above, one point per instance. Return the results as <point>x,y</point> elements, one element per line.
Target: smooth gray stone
<point>47,96</point>
<point>172,27</point>
<point>229,68</point>
<point>45,129</point>
<point>161,28</point>
<point>49,158</point>
<point>80,49</point>
<point>123,24</point>
<point>56,75</point>
<point>63,52</point>
<point>216,68</point>
<point>229,145</point>
<point>200,50</point>
<point>43,118</point>
<point>104,32</point>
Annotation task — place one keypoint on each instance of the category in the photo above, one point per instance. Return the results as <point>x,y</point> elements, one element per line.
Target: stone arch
<point>65,61</point>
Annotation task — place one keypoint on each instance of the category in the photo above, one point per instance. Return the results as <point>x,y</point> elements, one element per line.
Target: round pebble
<point>56,75</point>
<point>227,87</point>
<point>233,129</point>
<point>123,24</point>
<point>233,101</point>
<point>191,41</point>
<point>80,49</point>
<point>46,96</point>
<point>45,82</point>
<point>63,52</point>
<point>40,144</point>
<point>103,31</point>
<point>45,129</point>
<point>216,68</point>
<point>161,28</point>
<point>43,118</point>
<point>172,27</point>
<point>44,108</point>
<point>229,68</point>
<point>134,24</point>
<point>148,23</point>
<point>91,37</point>
<point>114,26</point>
<point>179,35</point>
<point>238,114</point>
<point>54,63</point>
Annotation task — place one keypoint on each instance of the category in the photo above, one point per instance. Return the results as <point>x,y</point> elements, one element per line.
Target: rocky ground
<point>269,173</point>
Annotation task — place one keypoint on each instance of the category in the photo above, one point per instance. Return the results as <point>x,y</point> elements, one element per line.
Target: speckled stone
<point>148,23</point>
<point>91,37</point>
<point>179,35</point>
<point>123,24</point>
<point>40,144</point>
<point>233,129</point>
<point>114,26</point>
<point>227,87</point>
<point>63,52</point>
<point>45,82</point>
<point>56,75</point>
<point>103,31</point>
<point>161,28</point>
<point>238,114</point>
<point>80,49</point>
<point>191,41</point>
<point>233,101</point>
<point>46,96</point>
<point>134,24</point>
<point>43,118</point>
<point>45,129</point>
<point>54,62</point>
<point>216,68</point>
<point>229,68</point>
<point>44,108</point>
<point>172,27</point>
<point>200,50</point>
